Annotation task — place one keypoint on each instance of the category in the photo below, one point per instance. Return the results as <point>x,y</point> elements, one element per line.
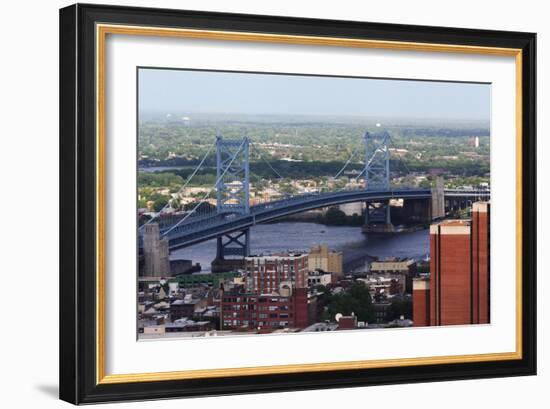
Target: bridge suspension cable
<point>372,158</point>
<point>346,164</point>
<point>340,171</point>
<point>399,157</point>
<point>207,194</point>
<point>267,162</point>
<point>363,171</point>
<point>194,210</point>
<point>181,188</point>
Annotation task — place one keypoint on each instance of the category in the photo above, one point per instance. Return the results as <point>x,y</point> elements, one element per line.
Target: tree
<point>160,203</point>
<point>142,203</point>
<point>355,300</point>
<point>204,207</point>
<point>175,203</point>
<point>335,216</point>
<point>321,288</point>
<point>400,306</point>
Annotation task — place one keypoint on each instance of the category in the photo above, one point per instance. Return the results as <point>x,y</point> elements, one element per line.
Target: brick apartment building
<point>458,291</point>
<point>266,273</point>
<point>406,268</point>
<point>286,309</point>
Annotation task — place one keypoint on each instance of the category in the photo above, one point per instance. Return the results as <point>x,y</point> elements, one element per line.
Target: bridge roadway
<point>202,228</point>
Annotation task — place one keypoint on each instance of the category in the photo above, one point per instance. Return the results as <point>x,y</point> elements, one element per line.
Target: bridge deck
<point>202,228</point>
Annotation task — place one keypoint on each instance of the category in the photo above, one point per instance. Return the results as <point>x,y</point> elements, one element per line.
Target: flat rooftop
<point>457,226</point>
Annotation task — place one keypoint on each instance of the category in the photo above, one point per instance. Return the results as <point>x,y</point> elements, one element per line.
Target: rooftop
<point>277,256</point>
<point>456,226</point>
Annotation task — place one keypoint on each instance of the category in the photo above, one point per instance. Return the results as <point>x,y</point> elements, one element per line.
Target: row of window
<point>253,315</point>
<point>253,300</point>
<point>252,307</point>
<point>238,323</point>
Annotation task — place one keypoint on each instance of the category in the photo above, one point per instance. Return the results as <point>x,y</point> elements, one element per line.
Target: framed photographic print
<point>258,203</point>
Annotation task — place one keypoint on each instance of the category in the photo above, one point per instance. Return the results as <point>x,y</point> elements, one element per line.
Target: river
<point>357,247</point>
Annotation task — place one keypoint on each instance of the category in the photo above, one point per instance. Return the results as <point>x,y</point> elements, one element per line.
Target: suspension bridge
<point>230,220</point>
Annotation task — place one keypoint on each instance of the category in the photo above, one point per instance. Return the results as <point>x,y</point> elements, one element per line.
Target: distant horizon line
<point>374,118</point>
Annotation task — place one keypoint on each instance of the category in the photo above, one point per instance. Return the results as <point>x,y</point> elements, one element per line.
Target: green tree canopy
<point>335,216</point>
<point>160,203</point>
<point>355,300</point>
<point>400,307</point>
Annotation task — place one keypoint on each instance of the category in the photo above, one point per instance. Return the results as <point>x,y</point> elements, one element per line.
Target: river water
<point>357,247</point>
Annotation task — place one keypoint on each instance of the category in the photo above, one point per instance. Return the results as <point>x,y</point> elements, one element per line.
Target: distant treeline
<point>293,170</point>
<point>445,132</point>
<point>307,170</point>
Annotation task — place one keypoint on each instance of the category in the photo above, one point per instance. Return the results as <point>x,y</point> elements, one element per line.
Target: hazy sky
<point>181,91</point>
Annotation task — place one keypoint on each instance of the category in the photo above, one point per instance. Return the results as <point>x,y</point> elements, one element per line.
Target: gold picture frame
<point>103,22</point>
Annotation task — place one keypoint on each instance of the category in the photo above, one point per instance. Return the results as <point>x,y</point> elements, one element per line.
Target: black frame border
<point>78,197</point>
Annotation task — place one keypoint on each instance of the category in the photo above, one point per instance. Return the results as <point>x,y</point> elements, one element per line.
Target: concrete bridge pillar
<point>438,199</point>
<point>155,252</point>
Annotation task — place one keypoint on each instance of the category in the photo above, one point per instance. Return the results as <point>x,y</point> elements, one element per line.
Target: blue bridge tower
<point>232,197</point>
<point>377,178</point>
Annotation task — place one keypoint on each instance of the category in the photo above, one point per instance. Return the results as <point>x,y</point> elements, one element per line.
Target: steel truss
<point>377,176</point>
<point>233,192</point>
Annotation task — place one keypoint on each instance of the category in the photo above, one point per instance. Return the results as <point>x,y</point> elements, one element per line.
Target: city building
<point>182,309</point>
<point>347,322</point>
<point>285,309</point>
<point>381,311</point>
<point>266,273</point>
<point>459,272</point>
<point>421,302</point>
<point>321,258</point>
<point>383,285</point>
<point>405,270</point>
<point>321,327</point>
<point>183,266</point>
<point>154,330</point>
<point>450,284</point>
<point>474,141</point>
<point>481,212</point>
<point>319,278</point>
<point>400,322</point>
<point>188,325</point>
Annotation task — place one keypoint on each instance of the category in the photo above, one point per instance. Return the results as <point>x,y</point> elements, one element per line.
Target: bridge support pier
<point>414,212</point>
<point>438,199</point>
<point>156,261</point>
<point>236,246</point>
<point>378,218</point>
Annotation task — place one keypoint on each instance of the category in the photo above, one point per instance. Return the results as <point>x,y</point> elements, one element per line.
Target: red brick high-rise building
<point>450,273</point>
<point>481,212</point>
<point>459,272</point>
<point>266,273</point>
